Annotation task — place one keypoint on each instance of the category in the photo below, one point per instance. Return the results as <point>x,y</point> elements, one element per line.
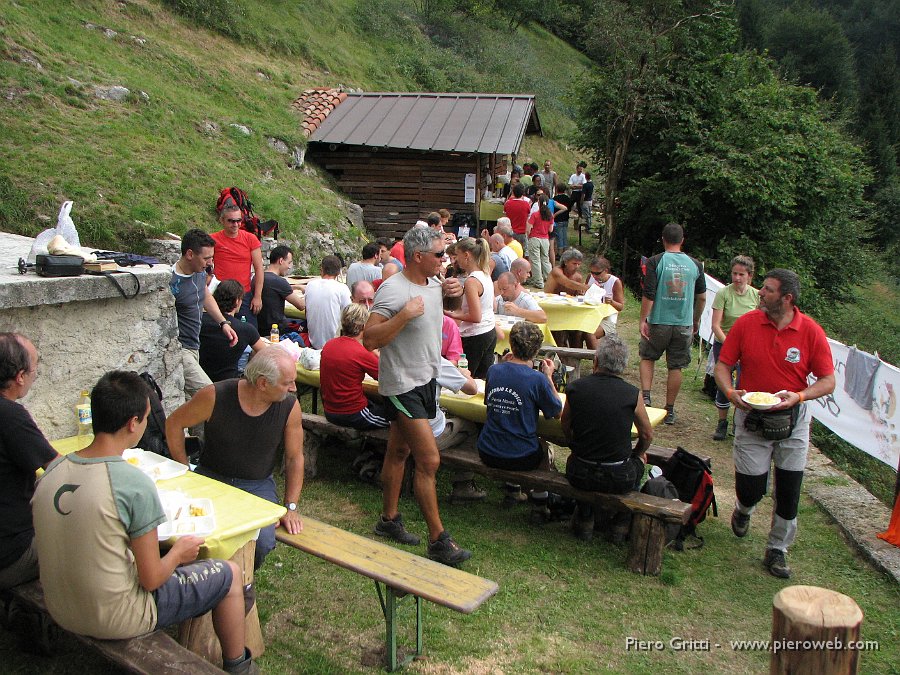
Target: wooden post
<point>645,551</point>
<point>811,628</point>
<point>197,634</point>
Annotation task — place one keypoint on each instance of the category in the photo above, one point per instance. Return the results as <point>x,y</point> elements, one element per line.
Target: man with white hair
<point>245,421</point>
<point>504,229</point>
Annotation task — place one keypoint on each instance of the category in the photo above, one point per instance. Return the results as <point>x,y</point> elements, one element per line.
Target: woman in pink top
<point>540,225</point>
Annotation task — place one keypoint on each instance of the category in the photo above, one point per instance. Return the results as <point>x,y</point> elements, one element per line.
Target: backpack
<point>251,221</point>
<point>692,478</point>
<point>154,438</point>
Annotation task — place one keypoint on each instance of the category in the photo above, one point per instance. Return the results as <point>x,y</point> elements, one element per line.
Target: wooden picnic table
<point>239,516</point>
<point>473,408</point>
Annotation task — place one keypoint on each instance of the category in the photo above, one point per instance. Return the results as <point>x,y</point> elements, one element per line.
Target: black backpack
<point>660,486</point>
<point>154,438</point>
<point>692,478</point>
<point>251,221</point>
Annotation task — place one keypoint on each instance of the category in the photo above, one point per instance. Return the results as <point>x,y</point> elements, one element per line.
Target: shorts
<point>371,417</point>
<point>675,341</point>
<point>192,590</point>
<point>416,404</point>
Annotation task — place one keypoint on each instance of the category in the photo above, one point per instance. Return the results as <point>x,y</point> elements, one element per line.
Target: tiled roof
<point>315,105</point>
<point>444,122</point>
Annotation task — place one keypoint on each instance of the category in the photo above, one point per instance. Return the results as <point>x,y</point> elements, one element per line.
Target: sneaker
<point>670,415</point>
<point>647,400</point>
<point>447,551</point>
<point>776,562</point>
<point>466,491</point>
<point>393,529</point>
<point>721,430</point>
<point>740,523</point>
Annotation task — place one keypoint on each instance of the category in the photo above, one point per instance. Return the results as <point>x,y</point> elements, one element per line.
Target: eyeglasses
<point>235,220</point>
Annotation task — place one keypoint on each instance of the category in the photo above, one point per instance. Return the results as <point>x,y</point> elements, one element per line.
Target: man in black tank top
<point>245,422</point>
<point>596,420</point>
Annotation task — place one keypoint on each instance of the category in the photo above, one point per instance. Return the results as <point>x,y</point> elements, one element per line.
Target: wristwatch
<point>223,322</point>
<point>291,506</point>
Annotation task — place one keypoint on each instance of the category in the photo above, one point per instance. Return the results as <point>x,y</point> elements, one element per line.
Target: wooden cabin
<point>402,155</point>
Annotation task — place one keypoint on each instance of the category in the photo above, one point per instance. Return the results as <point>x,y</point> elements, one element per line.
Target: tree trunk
<point>804,615</point>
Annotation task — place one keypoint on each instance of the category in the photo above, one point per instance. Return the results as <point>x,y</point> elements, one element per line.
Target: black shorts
<point>417,404</point>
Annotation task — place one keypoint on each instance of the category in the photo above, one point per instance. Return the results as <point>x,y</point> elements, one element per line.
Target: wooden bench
<point>400,573</point>
<point>317,429</point>
<point>149,654</point>
<point>651,514</point>
<point>571,356</point>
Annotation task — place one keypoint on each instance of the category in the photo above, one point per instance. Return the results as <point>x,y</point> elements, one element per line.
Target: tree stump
<point>811,630</point>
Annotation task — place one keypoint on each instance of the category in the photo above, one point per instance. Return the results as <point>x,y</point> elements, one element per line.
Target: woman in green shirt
<point>732,302</point>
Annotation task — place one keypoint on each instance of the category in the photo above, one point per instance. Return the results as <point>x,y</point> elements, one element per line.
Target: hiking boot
<point>647,400</point>
<point>776,562</point>
<point>393,529</point>
<point>721,430</point>
<point>513,496</point>
<point>466,491</point>
<point>670,415</point>
<point>447,551</point>
<point>740,523</point>
<point>583,523</point>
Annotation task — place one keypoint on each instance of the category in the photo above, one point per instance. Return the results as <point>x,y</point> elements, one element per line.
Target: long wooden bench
<point>651,513</point>
<point>399,572</point>
<point>318,428</point>
<point>149,654</point>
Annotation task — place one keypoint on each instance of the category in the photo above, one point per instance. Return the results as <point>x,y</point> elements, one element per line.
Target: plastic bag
<point>595,295</point>
<point>310,358</point>
<point>64,227</point>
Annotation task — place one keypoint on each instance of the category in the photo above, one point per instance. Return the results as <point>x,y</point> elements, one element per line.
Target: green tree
<point>639,46</point>
<point>755,165</point>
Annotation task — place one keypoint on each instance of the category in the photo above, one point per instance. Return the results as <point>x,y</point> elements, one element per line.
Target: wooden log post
<point>645,551</point>
<point>811,630</point>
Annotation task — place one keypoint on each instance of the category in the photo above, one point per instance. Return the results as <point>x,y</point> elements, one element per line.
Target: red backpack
<point>692,478</point>
<point>251,221</point>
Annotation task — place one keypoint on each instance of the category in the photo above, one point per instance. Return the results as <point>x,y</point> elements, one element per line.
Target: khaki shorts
<point>675,341</point>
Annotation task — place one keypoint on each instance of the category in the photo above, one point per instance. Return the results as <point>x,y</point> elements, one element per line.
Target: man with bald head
<point>514,300</point>
<point>23,449</point>
<point>521,269</point>
<point>362,293</point>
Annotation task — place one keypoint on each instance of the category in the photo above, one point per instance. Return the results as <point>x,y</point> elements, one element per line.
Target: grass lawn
<point>564,606</point>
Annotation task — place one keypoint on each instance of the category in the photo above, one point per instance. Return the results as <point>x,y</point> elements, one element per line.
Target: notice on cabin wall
<point>470,188</point>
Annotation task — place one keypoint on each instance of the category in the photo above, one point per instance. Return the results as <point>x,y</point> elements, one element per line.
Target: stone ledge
<point>30,290</point>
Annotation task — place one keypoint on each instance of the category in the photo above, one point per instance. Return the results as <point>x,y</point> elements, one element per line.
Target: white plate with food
<point>760,400</point>
<point>155,466</point>
<point>185,515</point>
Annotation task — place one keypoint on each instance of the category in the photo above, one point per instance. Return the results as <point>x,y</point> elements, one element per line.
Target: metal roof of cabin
<point>482,123</point>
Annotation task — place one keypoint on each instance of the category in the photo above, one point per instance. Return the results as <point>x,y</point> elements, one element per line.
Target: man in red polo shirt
<point>778,347</point>
<point>517,208</point>
<point>236,252</point>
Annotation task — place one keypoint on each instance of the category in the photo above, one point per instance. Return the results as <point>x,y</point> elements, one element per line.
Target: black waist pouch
<point>773,426</point>
<point>59,265</point>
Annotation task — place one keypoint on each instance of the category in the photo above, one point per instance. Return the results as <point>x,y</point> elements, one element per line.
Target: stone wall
<point>82,328</point>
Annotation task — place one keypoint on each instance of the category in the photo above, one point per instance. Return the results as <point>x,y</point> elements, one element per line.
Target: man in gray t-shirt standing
<point>405,324</point>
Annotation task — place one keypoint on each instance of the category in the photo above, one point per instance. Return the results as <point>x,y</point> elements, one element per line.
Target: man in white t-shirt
<point>325,298</point>
<point>514,300</point>
<point>367,268</point>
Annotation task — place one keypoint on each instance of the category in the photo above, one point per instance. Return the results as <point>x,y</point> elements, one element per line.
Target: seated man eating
<point>514,395</point>
<point>95,520</point>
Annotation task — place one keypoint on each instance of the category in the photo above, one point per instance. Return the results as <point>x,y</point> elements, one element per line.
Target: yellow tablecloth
<point>238,514</point>
<point>503,343</point>
<point>569,314</point>
<point>473,408</point>
<point>489,210</point>
<point>292,312</point>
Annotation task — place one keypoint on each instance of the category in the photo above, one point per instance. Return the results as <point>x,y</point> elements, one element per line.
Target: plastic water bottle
<point>273,334</point>
<point>463,361</point>
<point>83,419</point>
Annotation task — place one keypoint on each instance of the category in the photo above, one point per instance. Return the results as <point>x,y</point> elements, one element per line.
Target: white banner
<point>863,409</point>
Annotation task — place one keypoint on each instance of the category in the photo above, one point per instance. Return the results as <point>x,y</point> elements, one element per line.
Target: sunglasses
<point>436,254</point>
<point>595,274</point>
<point>235,220</point>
